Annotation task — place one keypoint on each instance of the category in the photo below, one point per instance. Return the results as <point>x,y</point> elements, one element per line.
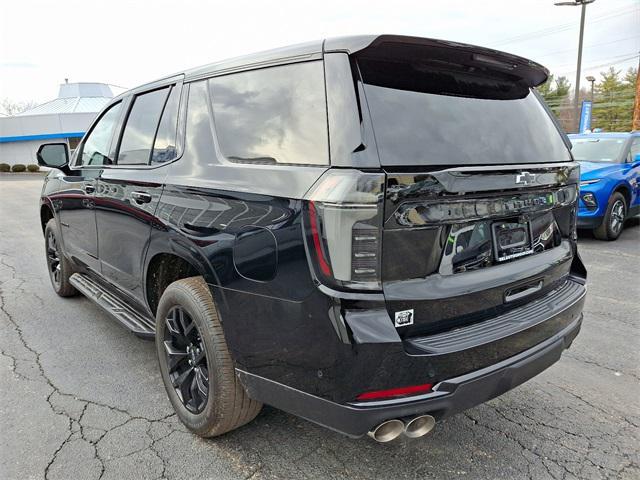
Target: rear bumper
<point>448,397</point>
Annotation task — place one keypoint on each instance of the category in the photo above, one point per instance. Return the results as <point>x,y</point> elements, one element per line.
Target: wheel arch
<point>625,191</point>
<point>163,269</point>
<point>46,214</point>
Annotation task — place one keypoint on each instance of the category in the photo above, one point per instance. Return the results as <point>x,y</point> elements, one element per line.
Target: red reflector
<point>324,265</point>
<point>395,392</point>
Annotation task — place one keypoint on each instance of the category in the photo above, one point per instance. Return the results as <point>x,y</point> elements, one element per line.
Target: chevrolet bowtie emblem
<point>525,178</point>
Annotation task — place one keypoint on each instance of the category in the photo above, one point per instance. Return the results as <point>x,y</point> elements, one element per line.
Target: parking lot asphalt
<point>81,397</point>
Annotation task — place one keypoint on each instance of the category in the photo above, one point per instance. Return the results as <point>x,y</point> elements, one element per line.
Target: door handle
<point>89,188</point>
<point>141,197</point>
<point>521,292</point>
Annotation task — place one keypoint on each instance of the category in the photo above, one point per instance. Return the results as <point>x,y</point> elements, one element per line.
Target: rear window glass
<point>272,115</point>
<point>425,114</point>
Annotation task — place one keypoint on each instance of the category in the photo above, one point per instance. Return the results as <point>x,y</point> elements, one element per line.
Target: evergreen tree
<point>613,105</point>
<point>631,77</point>
<point>555,91</point>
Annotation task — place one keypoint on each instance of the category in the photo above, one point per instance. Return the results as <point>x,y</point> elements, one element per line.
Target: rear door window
<point>272,115</point>
<point>140,127</point>
<point>426,114</point>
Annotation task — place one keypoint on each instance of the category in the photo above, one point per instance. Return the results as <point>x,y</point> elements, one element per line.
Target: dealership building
<point>63,119</point>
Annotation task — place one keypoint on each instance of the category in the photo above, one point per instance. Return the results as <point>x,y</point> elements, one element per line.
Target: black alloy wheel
<point>58,265</point>
<point>186,360</point>
<point>196,366</point>
<point>53,259</point>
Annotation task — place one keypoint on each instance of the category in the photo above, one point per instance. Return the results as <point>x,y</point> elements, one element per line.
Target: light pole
<point>583,4</point>
<point>592,80</point>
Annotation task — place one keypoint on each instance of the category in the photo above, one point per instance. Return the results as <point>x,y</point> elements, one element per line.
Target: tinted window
<point>272,115</point>
<point>140,128</point>
<point>164,148</point>
<point>198,137</point>
<point>635,149</point>
<point>424,114</point>
<point>95,150</point>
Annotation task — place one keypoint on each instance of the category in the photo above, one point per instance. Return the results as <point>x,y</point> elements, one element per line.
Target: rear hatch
<point>461,245</point>
<point>480,195</point>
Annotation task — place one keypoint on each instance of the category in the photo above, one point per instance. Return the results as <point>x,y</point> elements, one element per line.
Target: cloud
<point>18,65</point>
<point>68,40</point>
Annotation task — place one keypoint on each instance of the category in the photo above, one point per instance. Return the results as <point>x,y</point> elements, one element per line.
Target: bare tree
<point>9,107</point>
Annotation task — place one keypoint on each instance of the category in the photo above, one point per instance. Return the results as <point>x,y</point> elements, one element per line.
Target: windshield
<point>428,114</point>
<point>597,149</point>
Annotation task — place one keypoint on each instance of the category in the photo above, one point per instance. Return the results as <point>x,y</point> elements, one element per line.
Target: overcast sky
<point>127,43</point>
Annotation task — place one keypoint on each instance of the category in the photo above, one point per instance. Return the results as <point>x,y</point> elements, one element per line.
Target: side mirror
<point>53,155</point>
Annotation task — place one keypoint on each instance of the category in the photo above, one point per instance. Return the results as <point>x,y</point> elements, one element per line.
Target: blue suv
<point>609,182</point>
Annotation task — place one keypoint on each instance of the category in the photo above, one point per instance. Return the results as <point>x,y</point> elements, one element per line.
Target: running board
<point>134,321</point>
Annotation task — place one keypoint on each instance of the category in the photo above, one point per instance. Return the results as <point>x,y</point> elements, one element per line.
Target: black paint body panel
<point>243,228</point>
<point>124,225</point>
<point>449,397</point>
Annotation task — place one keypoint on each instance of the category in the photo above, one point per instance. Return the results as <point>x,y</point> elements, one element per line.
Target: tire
<point>613,221</point>
<point>58,266</point>
<point>226,406</point>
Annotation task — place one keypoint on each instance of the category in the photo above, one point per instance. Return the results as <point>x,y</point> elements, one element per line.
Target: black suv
<point>370,232</point>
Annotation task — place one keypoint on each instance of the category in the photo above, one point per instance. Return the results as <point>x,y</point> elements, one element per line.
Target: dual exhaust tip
<point>392,429</point>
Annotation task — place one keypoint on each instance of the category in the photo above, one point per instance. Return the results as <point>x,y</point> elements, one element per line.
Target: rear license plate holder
<point>511,239</point>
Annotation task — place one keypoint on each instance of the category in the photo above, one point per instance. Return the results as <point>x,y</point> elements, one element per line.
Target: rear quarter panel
<point>208,203</point>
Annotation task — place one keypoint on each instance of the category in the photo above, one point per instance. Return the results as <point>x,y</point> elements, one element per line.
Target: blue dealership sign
<point>585,116</point>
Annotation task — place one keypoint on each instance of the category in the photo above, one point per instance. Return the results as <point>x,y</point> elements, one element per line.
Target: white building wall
<point>21,152</point>
<point>76,122</point>
<point>72,112</point>
<point>25,151</point>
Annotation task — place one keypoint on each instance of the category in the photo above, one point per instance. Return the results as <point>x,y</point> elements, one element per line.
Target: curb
<point>22,174</point>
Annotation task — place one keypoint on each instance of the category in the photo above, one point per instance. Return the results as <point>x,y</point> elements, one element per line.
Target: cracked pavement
<point>81,397</point>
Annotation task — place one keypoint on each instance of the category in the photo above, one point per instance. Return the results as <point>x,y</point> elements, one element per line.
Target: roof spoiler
<point>413,48</point>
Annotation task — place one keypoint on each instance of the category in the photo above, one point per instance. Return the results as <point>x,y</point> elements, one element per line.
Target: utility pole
<point>591,79</point>
<point>636,108</point>
<point>576,97</point>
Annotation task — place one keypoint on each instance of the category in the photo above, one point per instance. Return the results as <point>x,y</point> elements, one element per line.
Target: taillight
<point>343,225</point>
<point>455,210</point>
<point>396,392</point>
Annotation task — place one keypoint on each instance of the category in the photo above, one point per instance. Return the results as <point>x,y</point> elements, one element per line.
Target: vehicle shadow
<point>630,228</point>
<point>513,436</point>
<point>283,446</point>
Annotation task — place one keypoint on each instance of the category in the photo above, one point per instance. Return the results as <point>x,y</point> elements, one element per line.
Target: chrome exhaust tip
<point>419,426</point>
<point>387,431</point>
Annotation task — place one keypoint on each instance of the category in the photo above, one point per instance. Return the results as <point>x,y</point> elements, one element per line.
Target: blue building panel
<point>44,136</point>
